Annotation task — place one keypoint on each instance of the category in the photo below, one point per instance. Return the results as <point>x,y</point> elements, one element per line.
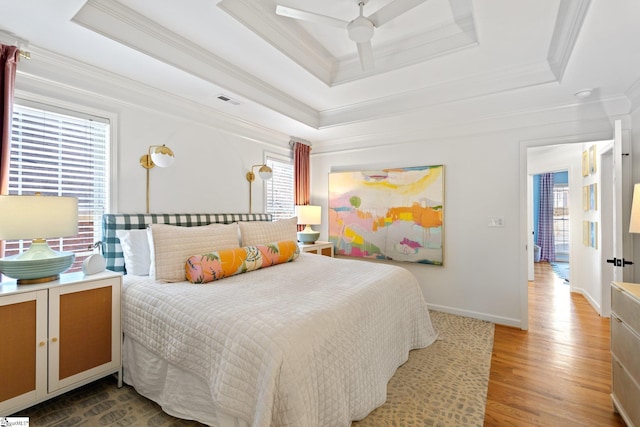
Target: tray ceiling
<point>443,62</point>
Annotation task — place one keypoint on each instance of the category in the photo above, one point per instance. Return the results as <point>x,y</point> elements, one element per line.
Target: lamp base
<point>38,264</point>
<point>308,237</point>
<point>36,281</point>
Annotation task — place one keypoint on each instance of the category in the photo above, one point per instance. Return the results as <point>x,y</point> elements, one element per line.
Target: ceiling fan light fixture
<point>360,29</point>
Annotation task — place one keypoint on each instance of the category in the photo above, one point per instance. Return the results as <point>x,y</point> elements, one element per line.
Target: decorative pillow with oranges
<point>228,262</point>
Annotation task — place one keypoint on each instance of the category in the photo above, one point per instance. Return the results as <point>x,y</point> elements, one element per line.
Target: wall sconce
<point>265,173</point>
<point>158,155</point>
<point>39,218</point>
<point>308,215</point>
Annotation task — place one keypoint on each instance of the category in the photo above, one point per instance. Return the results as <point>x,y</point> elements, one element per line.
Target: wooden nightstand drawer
<point>320,248</point>
<point>625,305</point>
<point>625,395</point>
<point>625,346</point>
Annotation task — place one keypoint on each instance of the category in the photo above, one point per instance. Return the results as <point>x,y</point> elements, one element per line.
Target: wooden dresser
<point>625,350</point>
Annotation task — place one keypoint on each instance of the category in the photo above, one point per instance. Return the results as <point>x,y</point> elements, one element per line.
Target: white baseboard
<point>516,323</point>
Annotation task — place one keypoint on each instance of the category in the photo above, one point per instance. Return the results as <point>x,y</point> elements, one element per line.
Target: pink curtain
<point>8,61</point>
<point>301,172</point>
<point>9,56</point>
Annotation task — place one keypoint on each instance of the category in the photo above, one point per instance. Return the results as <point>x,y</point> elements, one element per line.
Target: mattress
<point>307,343</point>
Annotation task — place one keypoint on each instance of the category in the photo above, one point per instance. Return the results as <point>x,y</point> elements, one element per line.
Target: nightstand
<point>319,247</point>
<point>57,336</point>
<point>625,346</point>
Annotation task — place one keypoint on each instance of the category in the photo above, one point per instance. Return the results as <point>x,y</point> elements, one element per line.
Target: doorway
<point>586,257</point>
<point>551,221</point>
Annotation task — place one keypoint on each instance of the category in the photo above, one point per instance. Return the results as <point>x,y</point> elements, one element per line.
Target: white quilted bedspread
<point>307,343</point>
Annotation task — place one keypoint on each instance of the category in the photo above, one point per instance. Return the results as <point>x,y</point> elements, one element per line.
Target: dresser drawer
<point>626,308</point>
<point>625,346</point>
<point>627,394</point>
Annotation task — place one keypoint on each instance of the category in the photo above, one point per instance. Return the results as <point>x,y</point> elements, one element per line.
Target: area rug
<point>561,269</point>
<point>444,384</point>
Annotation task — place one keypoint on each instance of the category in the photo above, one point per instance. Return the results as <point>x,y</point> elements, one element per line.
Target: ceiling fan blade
<point>366,56</point>
<point>310,16</point>
<point>392,10</point>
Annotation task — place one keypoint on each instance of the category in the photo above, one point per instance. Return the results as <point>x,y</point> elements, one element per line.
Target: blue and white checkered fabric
<point>112,251</point>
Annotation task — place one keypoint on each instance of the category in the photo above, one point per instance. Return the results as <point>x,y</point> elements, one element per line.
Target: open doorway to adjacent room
<point>551,221</point>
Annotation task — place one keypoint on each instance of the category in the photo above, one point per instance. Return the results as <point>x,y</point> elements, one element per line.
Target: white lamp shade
<point>265,172</point>
<point>35,217</point>
<point>162,156</point>
<point>309,215</point>
<point>634,225</point>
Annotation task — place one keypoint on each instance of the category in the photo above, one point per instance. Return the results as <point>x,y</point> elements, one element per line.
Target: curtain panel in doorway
<point>545,238</point>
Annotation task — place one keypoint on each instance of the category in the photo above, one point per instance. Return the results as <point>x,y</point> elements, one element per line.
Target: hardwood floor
<point>558,373</point>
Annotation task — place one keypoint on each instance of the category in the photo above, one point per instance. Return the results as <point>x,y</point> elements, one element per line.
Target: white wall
<point>484,272</point>
<point>479,276</point>
<point>207,176</point>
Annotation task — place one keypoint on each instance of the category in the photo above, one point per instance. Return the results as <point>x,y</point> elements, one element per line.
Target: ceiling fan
<point>360,29</point>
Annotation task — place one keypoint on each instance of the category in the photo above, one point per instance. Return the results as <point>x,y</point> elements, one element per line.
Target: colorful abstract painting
<point>391,214</point>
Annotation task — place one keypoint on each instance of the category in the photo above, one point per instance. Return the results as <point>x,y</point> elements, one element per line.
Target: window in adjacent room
<point>561,220</point>
<point>279,198</point>
<point>61,153</point>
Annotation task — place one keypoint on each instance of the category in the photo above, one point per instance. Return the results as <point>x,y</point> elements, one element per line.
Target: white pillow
<point>135,250</point>
<point>172,245</point>
<point>259,232</point>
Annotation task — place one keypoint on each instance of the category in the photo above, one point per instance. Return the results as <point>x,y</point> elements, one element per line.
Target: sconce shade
<point>162,156</point>
<point>634,225</point>
<point>309,215</point>
<point>265,172</point>
<point>159,155</point>
<point>38,218</point>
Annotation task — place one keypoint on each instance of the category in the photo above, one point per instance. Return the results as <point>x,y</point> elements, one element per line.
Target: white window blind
<point>61,153</point>
<point>280,197</point>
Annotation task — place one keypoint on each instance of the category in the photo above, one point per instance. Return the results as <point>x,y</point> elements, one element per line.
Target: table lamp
<point>37,217</point>
<point>308,215</point>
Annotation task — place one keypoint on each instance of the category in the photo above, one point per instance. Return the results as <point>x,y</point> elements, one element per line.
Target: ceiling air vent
<point>225,98</point>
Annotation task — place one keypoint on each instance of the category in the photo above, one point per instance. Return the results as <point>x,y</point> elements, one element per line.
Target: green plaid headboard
<point>112,251</point>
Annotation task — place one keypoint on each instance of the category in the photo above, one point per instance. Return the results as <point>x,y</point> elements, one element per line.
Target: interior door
<point>620,183</point>
<point>618,248</point>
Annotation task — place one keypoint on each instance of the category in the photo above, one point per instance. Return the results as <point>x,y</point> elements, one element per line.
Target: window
<point>280,198</point>
<point>561,220</point>
<point>61,153</point>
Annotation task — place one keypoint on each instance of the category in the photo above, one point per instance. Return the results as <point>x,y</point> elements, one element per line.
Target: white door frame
<point>525,237</point>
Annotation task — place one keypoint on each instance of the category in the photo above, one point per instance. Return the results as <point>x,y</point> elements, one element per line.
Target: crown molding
<point>633,93</point>
<point>290,39</point>
<point>438,41</point>
<point>452,91</point>
<point>456,127</point>
<point>60,77</point>
<point>571,15</point>
<point>124,25</point>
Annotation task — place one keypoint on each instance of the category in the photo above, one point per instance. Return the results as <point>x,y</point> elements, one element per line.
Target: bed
<point>308,342</point>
